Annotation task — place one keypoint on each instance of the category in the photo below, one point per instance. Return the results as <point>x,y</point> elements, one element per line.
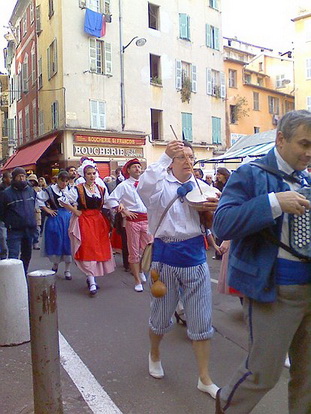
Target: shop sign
<point>92,151</point>
<point>109,140</point>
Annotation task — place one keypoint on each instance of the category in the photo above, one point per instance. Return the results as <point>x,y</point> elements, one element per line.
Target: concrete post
<point>44,342</point>
<point>14,320</point>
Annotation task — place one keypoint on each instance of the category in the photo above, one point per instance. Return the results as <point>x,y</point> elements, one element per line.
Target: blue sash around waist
<point>184,253</point>
<point>290,272</point>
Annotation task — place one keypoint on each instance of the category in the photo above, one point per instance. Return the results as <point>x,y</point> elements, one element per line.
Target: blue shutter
<point>216,131</point>
<point>178,80</point>
<point>208,81</point>
<point>222,85</point>
<point>183,26</point>
<point>187,126</point>
<point>208,35</point>
<point>216,38</point>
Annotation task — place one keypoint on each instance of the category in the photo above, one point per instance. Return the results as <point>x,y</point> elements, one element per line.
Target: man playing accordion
<point>254,213</point>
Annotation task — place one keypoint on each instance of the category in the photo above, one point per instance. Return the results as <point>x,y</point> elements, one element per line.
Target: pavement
<point>109,335</point>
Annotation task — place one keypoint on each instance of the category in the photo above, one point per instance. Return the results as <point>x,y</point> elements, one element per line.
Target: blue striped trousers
<point>195,286</point>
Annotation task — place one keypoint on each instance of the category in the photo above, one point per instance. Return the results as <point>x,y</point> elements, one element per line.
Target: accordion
<point>300,228</point>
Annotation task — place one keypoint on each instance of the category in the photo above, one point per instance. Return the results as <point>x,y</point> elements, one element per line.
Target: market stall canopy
<point>28,155</point>
<point>255,145</point>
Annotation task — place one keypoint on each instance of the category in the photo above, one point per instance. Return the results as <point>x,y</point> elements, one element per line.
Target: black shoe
<point>218,407</point>
<point>94,291</point>
<point>179,319</point>
<point>88,284</point>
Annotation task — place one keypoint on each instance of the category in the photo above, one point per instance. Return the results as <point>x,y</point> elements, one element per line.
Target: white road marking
<point>214,281</point>
<point>92,392</point>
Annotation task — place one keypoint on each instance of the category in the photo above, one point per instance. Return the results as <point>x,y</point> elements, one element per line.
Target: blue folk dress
<point>56,240</point>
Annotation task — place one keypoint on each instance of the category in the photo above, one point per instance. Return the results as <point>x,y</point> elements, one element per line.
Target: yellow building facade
<point>260,89</point>
<point>303,60</point>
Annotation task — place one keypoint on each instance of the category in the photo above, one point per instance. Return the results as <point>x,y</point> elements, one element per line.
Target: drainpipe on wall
<point>121,68</point>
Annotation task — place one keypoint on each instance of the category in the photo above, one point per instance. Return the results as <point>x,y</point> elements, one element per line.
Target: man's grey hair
<point>289,123</point>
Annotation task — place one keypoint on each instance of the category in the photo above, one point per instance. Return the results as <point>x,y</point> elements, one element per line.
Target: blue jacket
<point>243,211</point>
<point>17,208</point>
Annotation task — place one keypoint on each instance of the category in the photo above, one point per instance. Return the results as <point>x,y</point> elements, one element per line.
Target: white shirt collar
<point>282,164</point>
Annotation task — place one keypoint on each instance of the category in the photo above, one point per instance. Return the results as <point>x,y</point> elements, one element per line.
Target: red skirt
<point>95,243</point>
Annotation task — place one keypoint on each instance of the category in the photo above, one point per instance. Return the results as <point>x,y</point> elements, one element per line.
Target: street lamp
<point>139,42</point>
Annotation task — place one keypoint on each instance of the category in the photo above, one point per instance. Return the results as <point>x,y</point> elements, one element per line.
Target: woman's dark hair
<point>63,175</point>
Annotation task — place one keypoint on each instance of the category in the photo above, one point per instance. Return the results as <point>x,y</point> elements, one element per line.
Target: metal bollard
<point>44,342</point>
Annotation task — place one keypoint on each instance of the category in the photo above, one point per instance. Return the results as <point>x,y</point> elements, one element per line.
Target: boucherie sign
<point>109,140</point>
<point>103,151</point>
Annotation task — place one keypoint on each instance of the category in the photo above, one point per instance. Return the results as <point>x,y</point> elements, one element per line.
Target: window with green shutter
<point>184,26</point>
<point>216,130</point>
<point>186,119</point>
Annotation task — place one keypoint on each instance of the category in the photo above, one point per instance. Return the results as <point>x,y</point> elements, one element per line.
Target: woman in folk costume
<point>56,243</point>
<point>89,230</point>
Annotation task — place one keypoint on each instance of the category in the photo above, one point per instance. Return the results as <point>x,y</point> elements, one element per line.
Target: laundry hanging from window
<point>94,23</point>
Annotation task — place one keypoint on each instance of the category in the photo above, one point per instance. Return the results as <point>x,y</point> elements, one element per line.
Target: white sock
<point>91,280</point>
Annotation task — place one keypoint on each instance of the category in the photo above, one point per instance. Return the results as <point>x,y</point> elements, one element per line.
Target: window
<point>233,113</point>
<point>255,101</point>
<point>256,130</point>
<point>33,66</point>
<point>19,84</point>
<point>100,57</point>
<point>279,81</point>
<point>214,4</point>
<point>31,13</point>
<point>260,66</point>
<point>155,73</point>
<point>153,16</point>
<point>34,118</point>
<point>27,129</point>
<point>18,34</point>
<point>40,79</point>
<point>12,89</point>
<point>52,59</point>
<point>309,103</point>
<point>273,105</point>
<point>11,131</point>
<point>24,24</point>
<point>25,87</point>
<point>259,81</point>
<point>98,114</point>
<point>55,115</point>
<point>232,78</point>
<point>289,106</point>
<point>41,123</point>
<point>212,36</point>
<point>156,124</point>
<point>51,8</point>
<point>184,26</point>
<point>215,83</point>
<point>308,65</point>
<point>99,6</point>
<point>38,20</point>
<point>216,130</point>
<point>186,120</point>
<point>186,72</point>
<point>20,127</point>
<point>247,78</point>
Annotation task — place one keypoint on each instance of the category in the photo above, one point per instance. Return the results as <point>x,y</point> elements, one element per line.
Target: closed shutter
<point>94,114</point>
<point>102,115</point>
<point>216,132</point>
<point>103,169</point>
<point>193,78</point>
<point>208,35</point>
<point>183,26</point>
<point>187,126</point>
<point>216,38</point>
<point>308,64</point>
<point>309,103</point>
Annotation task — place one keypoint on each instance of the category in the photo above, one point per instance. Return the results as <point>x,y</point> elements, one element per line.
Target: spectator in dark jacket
<point>6,181</point>
<point>17,210</point>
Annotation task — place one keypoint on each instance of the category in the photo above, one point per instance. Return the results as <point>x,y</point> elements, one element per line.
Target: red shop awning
<point>28,155</point>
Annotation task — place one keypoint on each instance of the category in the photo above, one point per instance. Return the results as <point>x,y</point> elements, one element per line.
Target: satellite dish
<point>141,41</point>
